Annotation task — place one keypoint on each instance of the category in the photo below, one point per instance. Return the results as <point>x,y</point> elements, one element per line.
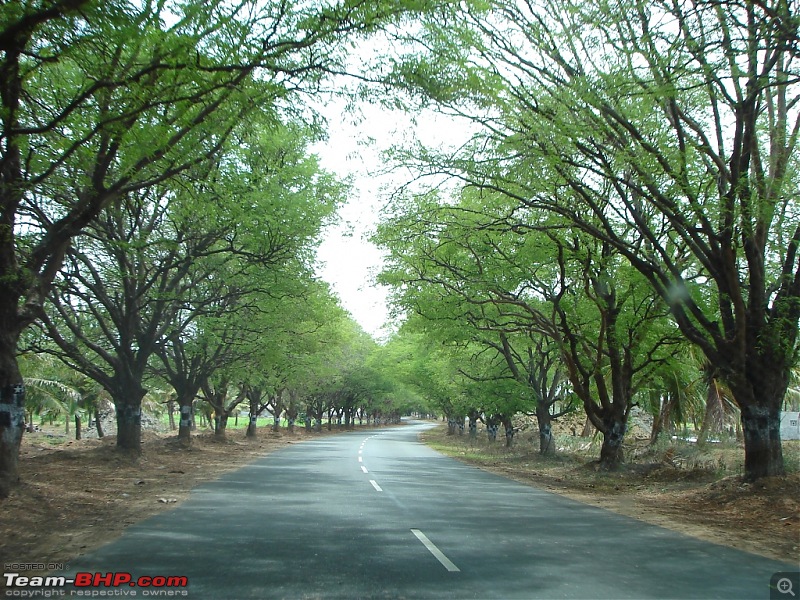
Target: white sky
<point>349,262</point>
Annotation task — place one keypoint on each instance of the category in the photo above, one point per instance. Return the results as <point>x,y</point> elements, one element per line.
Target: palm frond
<point>48,394</point>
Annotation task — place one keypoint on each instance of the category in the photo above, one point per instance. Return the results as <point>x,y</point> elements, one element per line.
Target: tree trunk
<point>317,414</point>
<point>547,445</point>
<point>186,423</point>
<point>78,431</point>
<point>510,431</point>
<point>12,425</point>
<point>98,424</point>
<point>763,454</point>
<point>291,413</point>
<point>473,424</point>
<point>128,402</point>
<point>129,427</point>
<point>611,454</point>
<point>171,413</point>
<point>221,423</point>
<point>491,428</point>
<point>12,387</point>
<point>759,393</point>
<point>662,420</point>
<point>714,417</point>
<point>251,425</point>
<point>186,388</point>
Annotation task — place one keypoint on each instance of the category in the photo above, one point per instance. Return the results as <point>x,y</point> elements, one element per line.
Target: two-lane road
<point>378,515</point>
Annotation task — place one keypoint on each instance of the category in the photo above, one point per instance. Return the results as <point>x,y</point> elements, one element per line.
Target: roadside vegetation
<point>160,209</point>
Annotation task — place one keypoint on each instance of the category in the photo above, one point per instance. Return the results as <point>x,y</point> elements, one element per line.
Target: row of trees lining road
<point>631,194</point>
<point>119,116</point>
<point>151,271</point>
<point>581,328</point>
<point>331,370</point>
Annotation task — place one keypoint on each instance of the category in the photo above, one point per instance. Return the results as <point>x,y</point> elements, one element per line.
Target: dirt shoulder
<point>763,518</point>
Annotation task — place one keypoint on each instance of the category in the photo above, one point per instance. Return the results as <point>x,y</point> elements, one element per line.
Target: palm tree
<point>720,410</point>
<point>47,392</point>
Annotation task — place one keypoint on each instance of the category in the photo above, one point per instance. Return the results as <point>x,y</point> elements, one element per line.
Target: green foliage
<point>662,136</point>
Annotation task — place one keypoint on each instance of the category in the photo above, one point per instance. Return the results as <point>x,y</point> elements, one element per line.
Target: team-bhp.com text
<point>95,585</point>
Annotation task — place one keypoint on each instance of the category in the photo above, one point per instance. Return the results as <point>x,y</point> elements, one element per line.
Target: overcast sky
<point>349,262</point>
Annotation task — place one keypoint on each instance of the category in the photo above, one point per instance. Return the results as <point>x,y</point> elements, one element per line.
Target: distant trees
<point>155,267</point>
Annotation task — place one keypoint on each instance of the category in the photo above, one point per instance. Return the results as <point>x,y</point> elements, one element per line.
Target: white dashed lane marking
<point>446,562</point>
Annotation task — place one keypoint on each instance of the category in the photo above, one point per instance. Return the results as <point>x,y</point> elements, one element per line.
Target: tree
<point>49,390</point>
<point>537,365</point>
<point>675,394</point>
<point>398,359</point>
<point>427,370</point>
<point>217,390</point>
<point>669,132</point>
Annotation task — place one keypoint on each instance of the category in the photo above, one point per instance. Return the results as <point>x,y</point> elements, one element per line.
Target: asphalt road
<point>375,514</point>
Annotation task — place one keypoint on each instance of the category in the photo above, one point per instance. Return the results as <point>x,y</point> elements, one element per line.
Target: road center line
<point>446,562</point>
<point>360,459</point>
<point>375,485</point>
<point>363,468</point>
